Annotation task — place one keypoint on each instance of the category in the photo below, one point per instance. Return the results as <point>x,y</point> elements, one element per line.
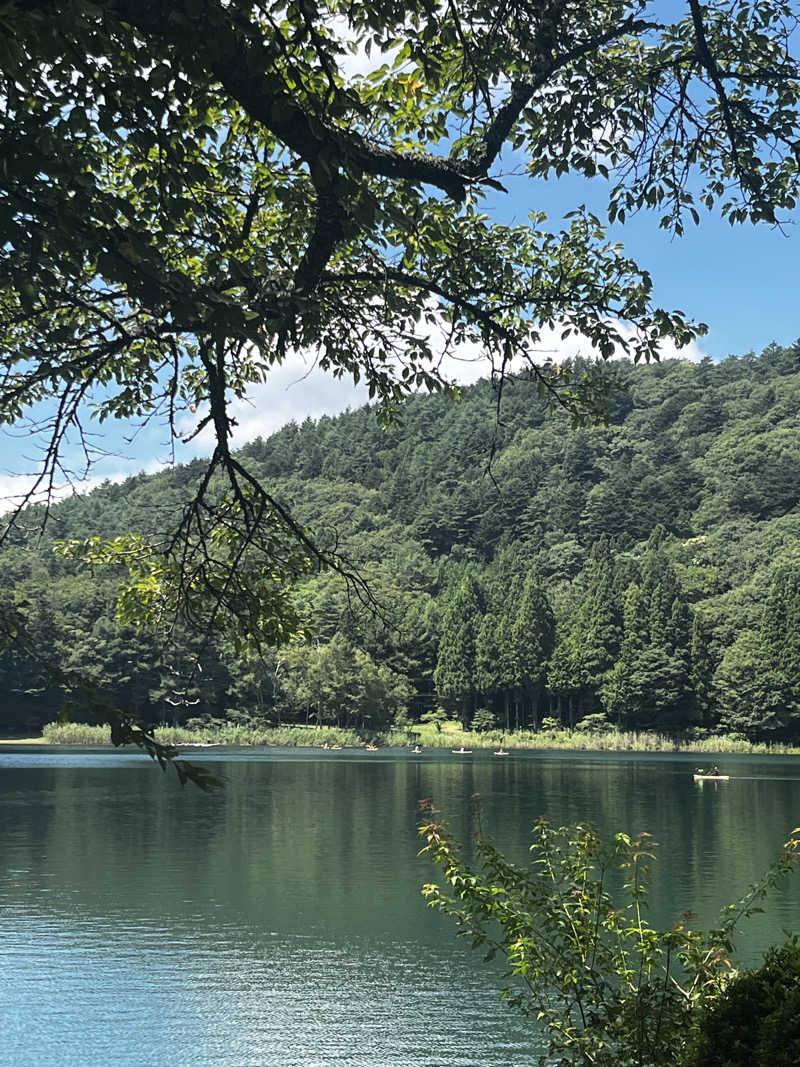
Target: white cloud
<point>297,389</point>
<point>19,489</point>
<point>553,347</point>
<point>358,64</point>
<point>16,489</point>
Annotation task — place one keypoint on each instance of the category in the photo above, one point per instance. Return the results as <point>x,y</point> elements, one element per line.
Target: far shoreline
<point>449,737</point>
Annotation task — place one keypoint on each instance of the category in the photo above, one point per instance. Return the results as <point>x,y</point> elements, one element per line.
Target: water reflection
<point>279,921</point>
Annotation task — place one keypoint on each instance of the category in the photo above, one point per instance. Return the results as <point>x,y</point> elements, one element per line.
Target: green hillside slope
<point>646,571</point>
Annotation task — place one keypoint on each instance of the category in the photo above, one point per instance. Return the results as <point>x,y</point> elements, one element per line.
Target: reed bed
<point>450,736</point>
<point>609,740</point>
<point>76,733</point>
<point>271,736</point>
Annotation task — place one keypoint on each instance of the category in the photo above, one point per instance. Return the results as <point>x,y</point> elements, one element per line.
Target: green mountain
<point>646,571</point>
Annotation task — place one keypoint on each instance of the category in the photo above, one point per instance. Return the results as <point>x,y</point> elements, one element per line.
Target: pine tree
<point>565,675</point>
<point>780,628</point>
<point>487,656</point>
<point>509,667</point>
<point>702,670</point>
<point>617,688</point>
<point>533,637</point>
<point>602,625</point>
<point>753,697</point>
<point>455,676</point>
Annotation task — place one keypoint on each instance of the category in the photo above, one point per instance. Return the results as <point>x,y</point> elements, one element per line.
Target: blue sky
<point>742,281</point>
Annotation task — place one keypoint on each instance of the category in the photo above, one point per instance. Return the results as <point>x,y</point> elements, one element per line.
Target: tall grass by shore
<point>450,736</point>
<point>76,733</point>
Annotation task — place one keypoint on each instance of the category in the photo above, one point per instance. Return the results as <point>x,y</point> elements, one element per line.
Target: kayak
<point>711,777</point>
<point>461,751</point>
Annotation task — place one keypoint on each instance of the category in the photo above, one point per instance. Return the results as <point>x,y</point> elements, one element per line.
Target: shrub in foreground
<point>756,1021</point>
<point>608,989</point>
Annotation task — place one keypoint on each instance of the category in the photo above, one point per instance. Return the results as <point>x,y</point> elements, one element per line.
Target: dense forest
<point>644,573</point>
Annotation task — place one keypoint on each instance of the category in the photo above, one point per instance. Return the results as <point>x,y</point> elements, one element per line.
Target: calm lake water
<point>279,921</point>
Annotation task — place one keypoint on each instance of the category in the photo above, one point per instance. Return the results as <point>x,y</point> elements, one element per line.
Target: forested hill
<point>646,572</point>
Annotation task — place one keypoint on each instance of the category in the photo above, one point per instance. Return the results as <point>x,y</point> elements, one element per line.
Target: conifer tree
<point>587,644</point>
<point>702,670</point>
<point>618,686</point>
<point>488,668</point>
<point>602,623</point>
<point>678,634</point>
<point>780,628</point>
<point>565,675</point>
<point>753,697</point>
<point>509,667</point>
<point>533,637</point>
<point>455,676</point>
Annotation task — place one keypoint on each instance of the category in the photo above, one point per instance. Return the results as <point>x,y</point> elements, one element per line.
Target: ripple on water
<point>140,995</point>
<point>278,922</point>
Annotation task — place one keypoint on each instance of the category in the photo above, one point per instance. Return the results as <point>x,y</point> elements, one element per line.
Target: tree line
<point>630,652</point>
<point>641,574</point>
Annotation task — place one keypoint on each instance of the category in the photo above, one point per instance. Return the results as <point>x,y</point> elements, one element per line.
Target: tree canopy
<point>188,191</point>
<point>682,620</point>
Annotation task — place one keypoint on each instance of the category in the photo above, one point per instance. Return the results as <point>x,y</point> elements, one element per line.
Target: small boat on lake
<point>501,752</point>
<point>710,776</point>
<point>461,751</point>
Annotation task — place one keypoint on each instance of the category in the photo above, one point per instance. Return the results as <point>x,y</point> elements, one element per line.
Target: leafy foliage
<point>188,191</point>
<point>757,1018</point>
<point>609,988</point>
<point>197,188</point>
<point>336,683</point>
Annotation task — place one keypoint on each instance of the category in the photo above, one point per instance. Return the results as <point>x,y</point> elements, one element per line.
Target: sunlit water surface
<point>279,921</point>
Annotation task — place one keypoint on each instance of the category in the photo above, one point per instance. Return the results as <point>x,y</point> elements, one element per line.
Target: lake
<point>278,921</point>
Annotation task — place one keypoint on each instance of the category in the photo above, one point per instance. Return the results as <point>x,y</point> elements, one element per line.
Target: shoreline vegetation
<point>449,737</point>
<point>640,576</point>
